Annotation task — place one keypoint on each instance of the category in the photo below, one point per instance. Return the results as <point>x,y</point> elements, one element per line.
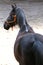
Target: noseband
<point>9,22</point>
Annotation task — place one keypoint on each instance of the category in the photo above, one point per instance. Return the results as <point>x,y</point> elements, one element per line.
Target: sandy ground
<point>34,15</point>
<point>7,40</point>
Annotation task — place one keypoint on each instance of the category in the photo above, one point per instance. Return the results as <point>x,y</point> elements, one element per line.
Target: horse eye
<point>12,15</point>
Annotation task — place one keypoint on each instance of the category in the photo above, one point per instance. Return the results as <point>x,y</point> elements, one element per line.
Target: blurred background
<point>22,0</point>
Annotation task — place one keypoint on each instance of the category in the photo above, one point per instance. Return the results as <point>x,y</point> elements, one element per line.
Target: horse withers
<point>28,48</point>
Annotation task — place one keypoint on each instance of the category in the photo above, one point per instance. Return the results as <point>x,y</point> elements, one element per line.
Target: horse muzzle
<point>6,26</point>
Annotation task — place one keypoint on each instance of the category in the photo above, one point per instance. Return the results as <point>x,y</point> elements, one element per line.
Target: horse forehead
<point>12,12</point>
<point>15,12</point>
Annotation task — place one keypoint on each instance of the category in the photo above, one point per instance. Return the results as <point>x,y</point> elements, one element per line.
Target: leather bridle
<point>10,22</point>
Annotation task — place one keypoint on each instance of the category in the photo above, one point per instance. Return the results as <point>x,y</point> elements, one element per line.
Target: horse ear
<point>13,6</point>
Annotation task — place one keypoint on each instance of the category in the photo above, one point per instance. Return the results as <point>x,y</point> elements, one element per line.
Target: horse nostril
<point>6,26</point>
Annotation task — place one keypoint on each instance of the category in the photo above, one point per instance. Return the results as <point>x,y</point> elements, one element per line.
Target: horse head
<point>11,20</point>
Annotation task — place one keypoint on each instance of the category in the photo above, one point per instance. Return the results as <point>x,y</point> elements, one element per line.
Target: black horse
<point>28,48</point>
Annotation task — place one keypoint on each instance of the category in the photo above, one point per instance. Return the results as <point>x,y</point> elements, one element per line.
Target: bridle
<point>10,22</point>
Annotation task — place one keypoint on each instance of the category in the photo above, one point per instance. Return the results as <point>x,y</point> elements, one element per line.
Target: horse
<point>28,47</point>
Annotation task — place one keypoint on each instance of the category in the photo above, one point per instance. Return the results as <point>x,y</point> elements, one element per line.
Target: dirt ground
<point>34,15</point>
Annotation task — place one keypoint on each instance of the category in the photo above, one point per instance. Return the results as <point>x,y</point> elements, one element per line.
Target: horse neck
<point>24,29</point>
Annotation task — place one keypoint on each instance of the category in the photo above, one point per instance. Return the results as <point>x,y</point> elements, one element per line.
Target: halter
<point>10,22</point>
